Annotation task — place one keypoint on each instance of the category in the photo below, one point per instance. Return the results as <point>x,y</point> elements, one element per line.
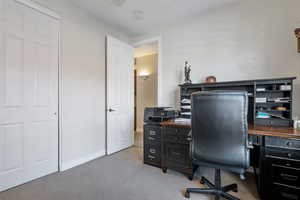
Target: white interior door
<point>120,95</point>
<point>28,94</point>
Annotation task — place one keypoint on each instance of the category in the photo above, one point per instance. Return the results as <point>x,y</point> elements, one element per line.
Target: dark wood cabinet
<point>152,145</point>
<point>275,159</point>
<point>152,134</point>
<point>281,167</point>
<point>276,153</point>
<point>176,154</point>
<point>176,151</point>
<point>273,97</point>
<point>152,154</point>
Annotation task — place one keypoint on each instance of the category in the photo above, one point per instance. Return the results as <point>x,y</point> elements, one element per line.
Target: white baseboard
<point>73,163</point>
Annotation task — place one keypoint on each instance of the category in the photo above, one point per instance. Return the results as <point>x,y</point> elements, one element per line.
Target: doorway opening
<point>146,59</point>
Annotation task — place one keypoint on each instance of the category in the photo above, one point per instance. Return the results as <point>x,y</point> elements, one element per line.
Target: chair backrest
<point>220,129</point>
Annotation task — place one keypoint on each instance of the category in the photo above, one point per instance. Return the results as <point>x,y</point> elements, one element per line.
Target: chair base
<point>214,189</point>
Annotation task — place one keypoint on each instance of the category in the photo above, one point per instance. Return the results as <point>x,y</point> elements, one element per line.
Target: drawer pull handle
<point>151,138</point>
<point>152,151</point>
<point>289,177</point>
<point>289,196</point>
<point>176,153</point>
<point>151,157</point>
<point>289,155</point>
<point>152,133</point>
<point>289,144</point>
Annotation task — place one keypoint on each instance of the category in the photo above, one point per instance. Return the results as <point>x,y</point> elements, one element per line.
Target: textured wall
<point>246,40</point>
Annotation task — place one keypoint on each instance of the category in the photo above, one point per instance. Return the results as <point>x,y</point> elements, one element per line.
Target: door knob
<point>111,110</point>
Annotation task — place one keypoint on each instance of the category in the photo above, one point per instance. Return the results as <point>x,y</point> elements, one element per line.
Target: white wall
<point>146,89</point>
<point>249,39</point>
<point>83,82</point>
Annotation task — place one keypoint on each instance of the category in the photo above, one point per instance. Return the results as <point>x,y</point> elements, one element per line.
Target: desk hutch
<point>276,153</point>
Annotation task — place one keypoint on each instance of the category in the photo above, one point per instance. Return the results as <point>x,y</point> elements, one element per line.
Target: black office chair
<point>220,137</point>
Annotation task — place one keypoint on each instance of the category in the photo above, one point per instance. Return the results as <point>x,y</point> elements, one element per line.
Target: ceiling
<point>145,50</point>
<point>136,17</point>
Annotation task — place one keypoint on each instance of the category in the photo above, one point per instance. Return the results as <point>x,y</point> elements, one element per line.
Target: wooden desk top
<point>285,132</point>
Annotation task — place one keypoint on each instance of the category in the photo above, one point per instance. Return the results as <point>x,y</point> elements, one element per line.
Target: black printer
<point>159,114</point>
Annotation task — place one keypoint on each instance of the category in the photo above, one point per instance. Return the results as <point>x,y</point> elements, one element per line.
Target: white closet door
<point>120,95</point>
<point>28,94</point>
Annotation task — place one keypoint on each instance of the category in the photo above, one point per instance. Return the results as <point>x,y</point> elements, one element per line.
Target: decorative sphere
<point>211,79</point>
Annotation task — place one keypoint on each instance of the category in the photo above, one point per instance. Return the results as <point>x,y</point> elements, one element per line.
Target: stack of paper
<point>182,120</point>
<point>186,113</point>
<point>263,115</point>
<point>186,101</point>
<point>260,89</point>
<point>186,107</point>
<point>260,100</point>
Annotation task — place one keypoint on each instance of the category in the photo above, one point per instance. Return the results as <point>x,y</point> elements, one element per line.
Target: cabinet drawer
<point>282,143</point>
<point>284,163</point>
<point>152,134</point>
<point>282,153</point>
<point>281,192</point>
<point>170,135</point>
<point>176,154</point>
<point>179,135</point>
<point>152,154</point>
<point>286,175</point>
<point>178,131</point>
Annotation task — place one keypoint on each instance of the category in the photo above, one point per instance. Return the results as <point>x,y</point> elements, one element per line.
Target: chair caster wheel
<point>202,181</point>
<point>187,195</point>
<point>164,170</point>
<point>191,177</point>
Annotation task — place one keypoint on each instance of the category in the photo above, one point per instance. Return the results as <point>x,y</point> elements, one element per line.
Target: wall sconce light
<point>144,75</point>
<point>297,33</point>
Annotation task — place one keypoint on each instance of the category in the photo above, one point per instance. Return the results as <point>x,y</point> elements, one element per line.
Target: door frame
<point>46,11</point>
<point>157,39</point>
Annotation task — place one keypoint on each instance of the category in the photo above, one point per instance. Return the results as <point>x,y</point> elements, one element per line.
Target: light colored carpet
<point>122,176</point>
